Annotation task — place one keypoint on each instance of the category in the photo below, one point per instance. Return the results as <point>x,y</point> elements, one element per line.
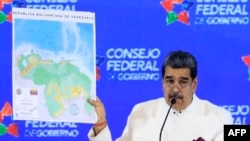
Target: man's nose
<point>176,88</point>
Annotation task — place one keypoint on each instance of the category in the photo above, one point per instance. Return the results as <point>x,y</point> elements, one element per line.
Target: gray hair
<point>180,59</point>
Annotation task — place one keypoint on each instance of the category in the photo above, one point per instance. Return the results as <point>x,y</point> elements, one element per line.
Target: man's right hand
<point>101,115</point>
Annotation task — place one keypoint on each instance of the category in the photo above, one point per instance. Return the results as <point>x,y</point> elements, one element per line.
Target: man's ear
<point>162,82</point>
<point>195,83</point>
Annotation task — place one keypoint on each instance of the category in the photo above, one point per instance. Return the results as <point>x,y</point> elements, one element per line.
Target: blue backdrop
<point>216,32</point>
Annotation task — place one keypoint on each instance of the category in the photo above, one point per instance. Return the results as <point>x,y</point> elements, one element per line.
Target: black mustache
<point>176,96</point>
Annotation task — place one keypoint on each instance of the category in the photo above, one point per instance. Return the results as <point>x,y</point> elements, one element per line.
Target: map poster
<point>53,65</point>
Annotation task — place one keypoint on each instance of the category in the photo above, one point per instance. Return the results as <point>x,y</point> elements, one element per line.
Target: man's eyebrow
<point>167,77</point>
<point>181,78</point>
<point>184,78</point>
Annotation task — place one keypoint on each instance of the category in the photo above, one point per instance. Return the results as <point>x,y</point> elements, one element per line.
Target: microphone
<point>173,101</point>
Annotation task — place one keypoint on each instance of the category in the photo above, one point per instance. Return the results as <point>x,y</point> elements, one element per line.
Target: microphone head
<point>173,101</point>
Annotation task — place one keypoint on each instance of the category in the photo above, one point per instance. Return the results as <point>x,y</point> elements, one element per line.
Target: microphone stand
<point>173,101</point>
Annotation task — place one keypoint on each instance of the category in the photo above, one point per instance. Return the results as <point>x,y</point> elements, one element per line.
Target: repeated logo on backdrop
<point>239,112</point>
<point>246,60</point>
<point>50,129</point>
<point>177,10</point>
<point>126,64</point>
<point>7,127</point>
<point>69,5</point>
<point>207,12</point>
<point>221,12</point>
<point>6,16</point>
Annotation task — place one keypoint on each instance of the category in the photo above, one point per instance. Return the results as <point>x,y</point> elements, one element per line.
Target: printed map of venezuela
<point>54,65</point>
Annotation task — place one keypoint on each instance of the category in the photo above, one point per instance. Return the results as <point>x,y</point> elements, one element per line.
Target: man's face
<point>179,84</point>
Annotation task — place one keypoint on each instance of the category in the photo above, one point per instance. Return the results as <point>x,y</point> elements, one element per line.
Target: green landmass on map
<point>62,80</point>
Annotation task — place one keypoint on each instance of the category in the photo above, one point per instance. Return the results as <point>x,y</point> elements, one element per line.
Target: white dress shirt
<point>200,119</point>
